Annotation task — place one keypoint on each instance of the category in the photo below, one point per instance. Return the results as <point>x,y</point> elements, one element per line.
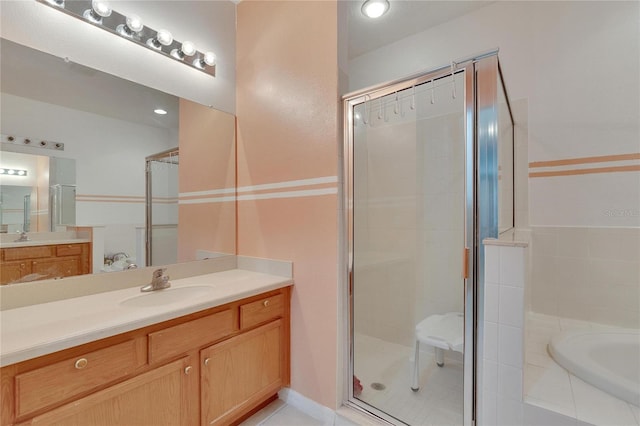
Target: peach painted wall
<point>207,174</point>
<point>287,111</point>
<point>42,197</point>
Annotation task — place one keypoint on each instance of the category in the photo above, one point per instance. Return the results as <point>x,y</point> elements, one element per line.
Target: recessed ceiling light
<point>375,8</point>
<point>160,111</point>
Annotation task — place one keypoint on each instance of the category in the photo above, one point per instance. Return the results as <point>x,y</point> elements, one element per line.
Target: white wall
<point>208,24</point>
<point>577,64</point>
<point>110,160</point>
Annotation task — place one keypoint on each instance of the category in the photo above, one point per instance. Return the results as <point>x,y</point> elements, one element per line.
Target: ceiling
<point>404,18</point>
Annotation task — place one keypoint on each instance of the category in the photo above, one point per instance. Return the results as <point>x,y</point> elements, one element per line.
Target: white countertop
<point>36,330</point>
<point>31,243</point>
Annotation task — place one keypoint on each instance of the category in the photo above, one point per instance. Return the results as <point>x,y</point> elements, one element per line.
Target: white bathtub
<point>607,359</point>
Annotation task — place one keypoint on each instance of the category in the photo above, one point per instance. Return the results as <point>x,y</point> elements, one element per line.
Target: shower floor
<point>440,398</point>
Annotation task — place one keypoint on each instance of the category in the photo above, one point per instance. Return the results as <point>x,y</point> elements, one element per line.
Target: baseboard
<point>308,406</point>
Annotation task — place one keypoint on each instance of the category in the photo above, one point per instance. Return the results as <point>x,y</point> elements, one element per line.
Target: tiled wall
<point>502,334</point>
<point>501,376</point>
<point>591,274</point>
<point>288,132</point>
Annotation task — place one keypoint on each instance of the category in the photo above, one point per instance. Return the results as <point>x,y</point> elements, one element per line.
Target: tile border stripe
<point>289,184</point>
<point>634,168</point>
<point>132,199</point>
<point>585,160</point>
<point>579,166</point>
<point>305,188</point>
<point>288,194</point>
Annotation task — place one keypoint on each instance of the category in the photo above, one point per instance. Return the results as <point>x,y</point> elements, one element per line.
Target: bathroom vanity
<point>210,350</point>
<point>49,260</point>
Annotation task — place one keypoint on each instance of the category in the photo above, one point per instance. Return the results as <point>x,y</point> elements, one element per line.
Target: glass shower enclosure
<point>423,162</point>
<point>161,224</point>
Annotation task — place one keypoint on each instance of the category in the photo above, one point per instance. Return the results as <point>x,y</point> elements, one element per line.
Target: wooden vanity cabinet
<point>158,397</point>
<point>210,367</point>
<point>238,373</point>
<point>51,261</point>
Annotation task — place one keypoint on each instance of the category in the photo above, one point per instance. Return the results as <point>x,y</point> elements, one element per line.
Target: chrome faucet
<point>158,281</point>
<point>23,237</point>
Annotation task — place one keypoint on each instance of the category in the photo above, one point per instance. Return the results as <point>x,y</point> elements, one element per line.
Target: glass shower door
<point>408,242</point>
<point>162,208</point>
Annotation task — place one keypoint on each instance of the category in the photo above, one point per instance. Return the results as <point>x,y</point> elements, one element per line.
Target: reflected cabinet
<point>23,264</point>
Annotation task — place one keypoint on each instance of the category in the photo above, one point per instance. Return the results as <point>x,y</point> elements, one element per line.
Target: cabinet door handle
<point>81,363</point>
<point>265,303</point>
<point>206,361</point>
<point>188,369</point>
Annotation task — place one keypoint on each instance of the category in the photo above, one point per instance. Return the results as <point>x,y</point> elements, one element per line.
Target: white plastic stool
<point>443,332</point>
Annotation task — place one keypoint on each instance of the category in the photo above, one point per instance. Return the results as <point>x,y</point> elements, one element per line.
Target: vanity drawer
<point>261,310</point>
<point>69,249</point>
<point>21,253</point>
<point>60,381</point>
<point>179,339</point>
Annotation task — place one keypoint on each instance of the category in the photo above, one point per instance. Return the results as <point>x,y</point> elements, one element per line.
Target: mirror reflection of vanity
<point>108,128</point>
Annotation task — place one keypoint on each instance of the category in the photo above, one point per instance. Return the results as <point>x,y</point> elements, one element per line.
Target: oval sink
<point>166,297</point>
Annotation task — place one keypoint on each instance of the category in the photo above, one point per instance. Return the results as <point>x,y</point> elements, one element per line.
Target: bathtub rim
<point>597,376</point>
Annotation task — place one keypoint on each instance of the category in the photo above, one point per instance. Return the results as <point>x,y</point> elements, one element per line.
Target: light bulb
<point>10,172</point>
<point>99,9</point>
<point>188,48</point>
<point>133,24</point>
<point>164,37</point>
<point>209,59</point>
<point>21,173</point>
<point>2,171</point>
<point>160,111</point>
<point>375,8</point>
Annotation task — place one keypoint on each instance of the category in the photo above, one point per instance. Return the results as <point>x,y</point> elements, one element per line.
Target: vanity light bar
<point>18,140</point>
<point>13,172</point>
<point>100,14</point>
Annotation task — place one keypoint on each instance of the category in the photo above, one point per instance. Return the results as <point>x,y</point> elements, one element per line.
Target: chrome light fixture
<point>100,14</point>
<point>13,172</point>
<point>375,8</point>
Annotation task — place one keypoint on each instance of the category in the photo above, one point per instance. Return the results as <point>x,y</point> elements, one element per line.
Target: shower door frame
<point>480,215</point>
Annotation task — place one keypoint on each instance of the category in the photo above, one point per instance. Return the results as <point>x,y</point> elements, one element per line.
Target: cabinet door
<point>54,268</point>
<point>13,271</point>
<point>240,373</point>
<point>155,398</point>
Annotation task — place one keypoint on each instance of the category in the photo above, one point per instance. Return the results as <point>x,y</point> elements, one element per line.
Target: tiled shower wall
<point>590,274</point>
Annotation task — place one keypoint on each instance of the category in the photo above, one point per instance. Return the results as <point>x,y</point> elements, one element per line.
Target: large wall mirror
<point>109,130</point>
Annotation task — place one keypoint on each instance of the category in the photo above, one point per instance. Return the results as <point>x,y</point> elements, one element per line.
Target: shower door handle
<point>465,264</point>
